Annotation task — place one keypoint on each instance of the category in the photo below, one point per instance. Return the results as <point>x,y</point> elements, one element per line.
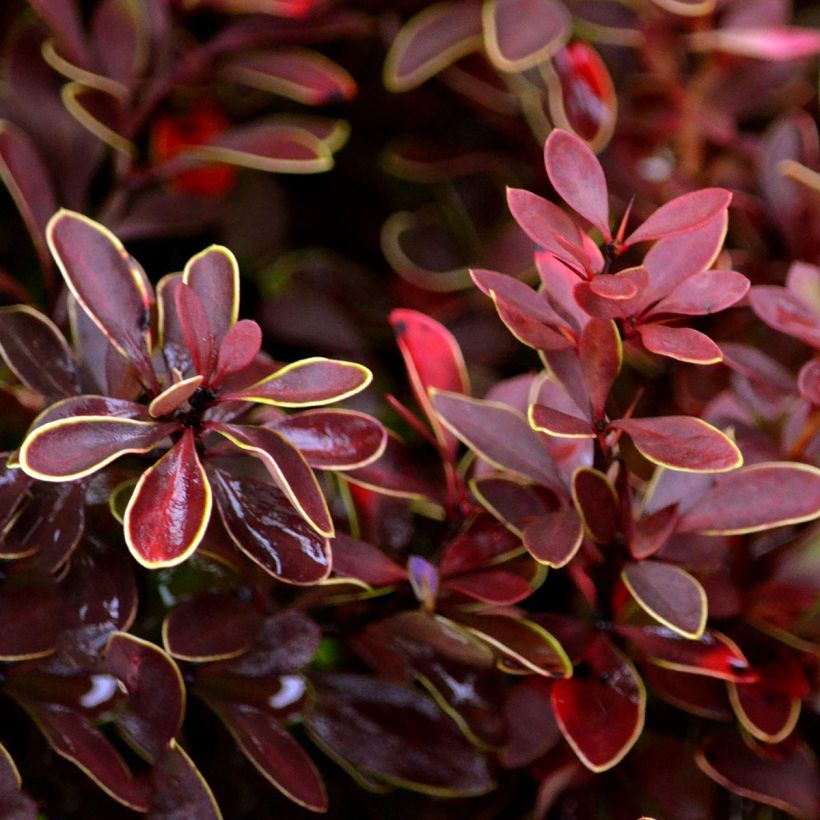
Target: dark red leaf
<point>29,621</point>
<point>120,30</point>
<point>213,274</point>
<point>682,443</point>
<point>179,790</point>
<point>210,627</point>
<point>196,329</point>
<point>768,715</point>
<point>669,594</point>
<point>289,470</point>
<point>652,531</point>
<point>519,34</point>
<point>531,723</point>
<point>513,503</point>
<point>788,781</point>
<point>577,176</point>
<point>429,42</point>
<point>557,423</point>
<point>597,504</point>
<point>490,586</point>
<point>601,714</point>
<point>308,382</point>
<point>385,730</point>
<point>14,485</point>
<point>170,507</point>
<point>264,525</point>
<point>239,348</point>
<point>554,539</point>
<point>685,213</point>
<point>70,448</point>
<point>433,359</point>
<point>499,434</point>
<point>599,349</point>
<point>155,704</point>
<point>353,558</point>
<point>480,544</point>
<point>757,497</point>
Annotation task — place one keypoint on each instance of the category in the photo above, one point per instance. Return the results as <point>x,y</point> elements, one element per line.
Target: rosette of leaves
<point>196,383</point>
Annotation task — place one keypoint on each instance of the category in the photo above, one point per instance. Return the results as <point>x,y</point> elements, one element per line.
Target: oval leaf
<point>681,343</point>
<point>555,538</point>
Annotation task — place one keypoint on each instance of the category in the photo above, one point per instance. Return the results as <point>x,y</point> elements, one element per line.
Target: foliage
<point>564,564</point>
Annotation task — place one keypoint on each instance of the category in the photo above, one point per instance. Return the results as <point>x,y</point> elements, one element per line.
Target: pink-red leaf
<point>541,219</point>
<point>682,214</point>
<point>681,343</point>
<point>169,511</point>
<point>239,348</point>
<point>599,349</point>
<point>557,423</point>
<point>213,274</point>
<point>601,714</point>
<point>577,176</point>
<point>196,330</point>
<point>682,443</point>
<point>704,293</point>
<point>757,497</point>
<point>669,594</point>
<point>519,34</point>
<point>785,311</point>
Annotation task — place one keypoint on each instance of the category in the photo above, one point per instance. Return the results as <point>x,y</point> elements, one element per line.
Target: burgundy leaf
<point>557,423</point>
<point>213,274</point>
<point>532,726</point>
<point>597,504</point>
<point>353,558</point>
<point>172,397</point>
<point>554,539</point>
<point>652,531</point>
<point>14,485</point>
<point>601,714</point>
<point>429,42</point>
<point>274,753</point>
<point>681,343</point>
<point>264,525</point>
<point>27,178</point>
<point>669,594</point>
<point>335,439</point>
<point>29,622</point>
<point>433,359</point>
<point>526,327</point>
<point>599,349</point>
<point>577,176</point>
<point>786,312</point>
<point>704,293</point>
<point>71,448</point>
<point>697,694</point>
<point>297,73</point>
<point>119,30</point>
<point>757,497</point>
<point>239,348</point>
<point>196,329</point>
<point>64,19</point>
<point>769,715</point>
<point>520,645</point>
<point>788,781</point>
<point>499,434</point>
<point>711,654</point>
<point>210,627</point>
<point>97,406</point>
<point>105,281</point>
<point>519,34</point>
<point>682,443</point>
<point>385,730</point>
<point>491,586</point>
<point>288,468</point>
<point>171,337</point>
<point>155,704</point>
<point>179,790</point>
<point>513,503</point>
<point>480,544</point>
<point>685,213</point>
<point>170,508</point>
<point>308,382</point>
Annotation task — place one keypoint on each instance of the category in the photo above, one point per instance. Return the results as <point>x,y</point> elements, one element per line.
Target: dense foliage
<point>550,549</point>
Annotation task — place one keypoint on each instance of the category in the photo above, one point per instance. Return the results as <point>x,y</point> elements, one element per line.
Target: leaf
<point>71,448</point>
<point>669,594</point>
<point>172,397</point>
<point>682,214</point>
<point>430,41</point>
<point>490,586</point>
<point>170,508</point>
<point>307,382</point>
<point>765,43</point>
<point>154,689</point>
<point>513,503</point>
<point>263,524</point>
<point>682,443</point>
<point>532,729</point>
<point>289,470</point>
<point>597,504</point>
<point>555,538</point>
<point>274,753</point>
<point>353,558</point>
<point>64,19</point>
<point>384,729</point>
<point>297,73</point>
<point>27,178</point>
<point>557,423</point>
<point>601,714</point>
<point>210,627</point>
<point>14,803</point>
<point>788,781</point>
<point>108,285</point>
<point>196,330</point>
<point>757,497</point>
<point>37,353</point>
<point>213,274</point>
<point>520,34</point>
<point>29,622</point>
<point>541,219</point>
<point>601,354</point>
<point>179,790</point>
<point>704,293</point>
<point>786,312</point>
<point>238,350</point>
<point>767,714</point>
<point>521,646</point>
<point>499,435</point>
<point>577,176</point>
<point>652,531</point>
<point>276,147</point>
<point>119,30</point>
<point>680,343</point>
